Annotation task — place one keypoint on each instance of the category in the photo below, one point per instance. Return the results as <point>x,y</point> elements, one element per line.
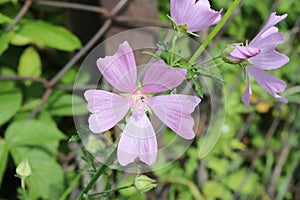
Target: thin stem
<point>208,61</point>
<point>173,48</point>
<point>214,31</point>
<point>71,186</point>
<point>99,172</point>
<point>112,190</point>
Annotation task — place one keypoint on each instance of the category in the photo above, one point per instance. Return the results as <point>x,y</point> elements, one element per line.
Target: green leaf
<point>4,43</point>
<point>3,18</point>
<point>49,35</point>
<point>215,190</point>
<point>19,40</point>
<point>10,103</point>
<point>7,85</point>
<point>66,105</point>
<point>46,180</point>
<point>30,64</point>
<point>74,138</point>
<point>32,133</point>
<point>4,149</point>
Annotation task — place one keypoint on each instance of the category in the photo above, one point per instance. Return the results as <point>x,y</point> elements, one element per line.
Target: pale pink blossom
<point>196,15</point>
<point>262,55</point>
<point>138,139</point>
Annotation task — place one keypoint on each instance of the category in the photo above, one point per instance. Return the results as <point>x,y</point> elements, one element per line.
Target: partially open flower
<point>193,15</point>
<point>261,55</point>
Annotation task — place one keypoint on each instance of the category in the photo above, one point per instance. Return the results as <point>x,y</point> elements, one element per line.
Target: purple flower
<point>262,55</point>
<point>196,15</point>
<point>138,139</point>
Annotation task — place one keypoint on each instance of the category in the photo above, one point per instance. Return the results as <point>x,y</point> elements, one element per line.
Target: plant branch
<point>99,172</point>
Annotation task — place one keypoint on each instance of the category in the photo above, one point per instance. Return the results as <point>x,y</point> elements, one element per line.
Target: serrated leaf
<point>30,64</point>
<point>10,103</point>
<point>4,149</point>
<point>32,133</point>
<point>49,35</point>
<point>4,43</point>
<point>46,180</point>
<point>66,105</point>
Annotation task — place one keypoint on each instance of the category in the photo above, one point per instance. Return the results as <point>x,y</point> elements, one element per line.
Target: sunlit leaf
<point>32,133</point>
<point>4,149</point>
<point>10,102</point>
<point>30,64</point>
<point>49,35</point>
<point>4,42</point>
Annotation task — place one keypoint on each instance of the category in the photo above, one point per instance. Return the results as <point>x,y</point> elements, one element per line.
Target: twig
<point>75,6</point>
<point>39,106</point>
<point>19,16</point>
<point>24,78</point>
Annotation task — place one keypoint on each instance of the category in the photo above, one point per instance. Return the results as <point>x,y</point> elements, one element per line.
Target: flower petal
<point>120,69</point>
<point>269,58</point>
<point>175,110</point>
<point>107,109</point>
<point>197,15</point>
<point>138,140</point>
<point>268,82</point>
<point>160,77</point>
<point>268,28</point>
<point>240,53</point>
<point>247,92</point>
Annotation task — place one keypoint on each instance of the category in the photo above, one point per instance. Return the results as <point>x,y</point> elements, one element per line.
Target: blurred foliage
<point>257,152</point>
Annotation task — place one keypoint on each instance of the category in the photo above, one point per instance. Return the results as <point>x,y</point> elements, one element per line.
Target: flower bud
<point>23,170</point>
<point>235,54</point>
<point>144,183</point>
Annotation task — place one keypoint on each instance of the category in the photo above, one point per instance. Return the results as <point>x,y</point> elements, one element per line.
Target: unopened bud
<point>23,170</point>
<point>144,183</point>
<point>235,54</point>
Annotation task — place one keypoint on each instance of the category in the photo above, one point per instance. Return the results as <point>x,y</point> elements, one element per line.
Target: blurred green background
<point>256,157</point>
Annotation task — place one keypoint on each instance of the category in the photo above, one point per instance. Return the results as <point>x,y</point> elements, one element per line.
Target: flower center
<point>139,102</point>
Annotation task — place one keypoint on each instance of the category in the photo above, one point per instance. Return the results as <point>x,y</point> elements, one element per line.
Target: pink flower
<point>262,55</point>
<point>138,139</point>
<point>196,15</point>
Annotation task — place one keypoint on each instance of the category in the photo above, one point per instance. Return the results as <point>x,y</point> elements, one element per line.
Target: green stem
<point>214,32</point>
<point>71,186</point>
<point>112,190</point>
<point>99,172</point>
<point>173,48</point>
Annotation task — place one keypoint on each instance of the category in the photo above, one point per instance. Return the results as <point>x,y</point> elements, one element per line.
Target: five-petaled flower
<point>195,15</point>
<point>262,55</point>
<point>138,139</point>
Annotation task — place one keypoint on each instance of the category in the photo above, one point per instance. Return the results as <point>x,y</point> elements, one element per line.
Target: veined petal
<point>120,69</point>
<point>197,15</point>
<point>247,92</point>
<point>268,28</point>
<point>107,109</point>
<point>240,53</point>
<point>268,82</point>
<point>160,77</point>
<point>175,110</point>
<point>138,140</point>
